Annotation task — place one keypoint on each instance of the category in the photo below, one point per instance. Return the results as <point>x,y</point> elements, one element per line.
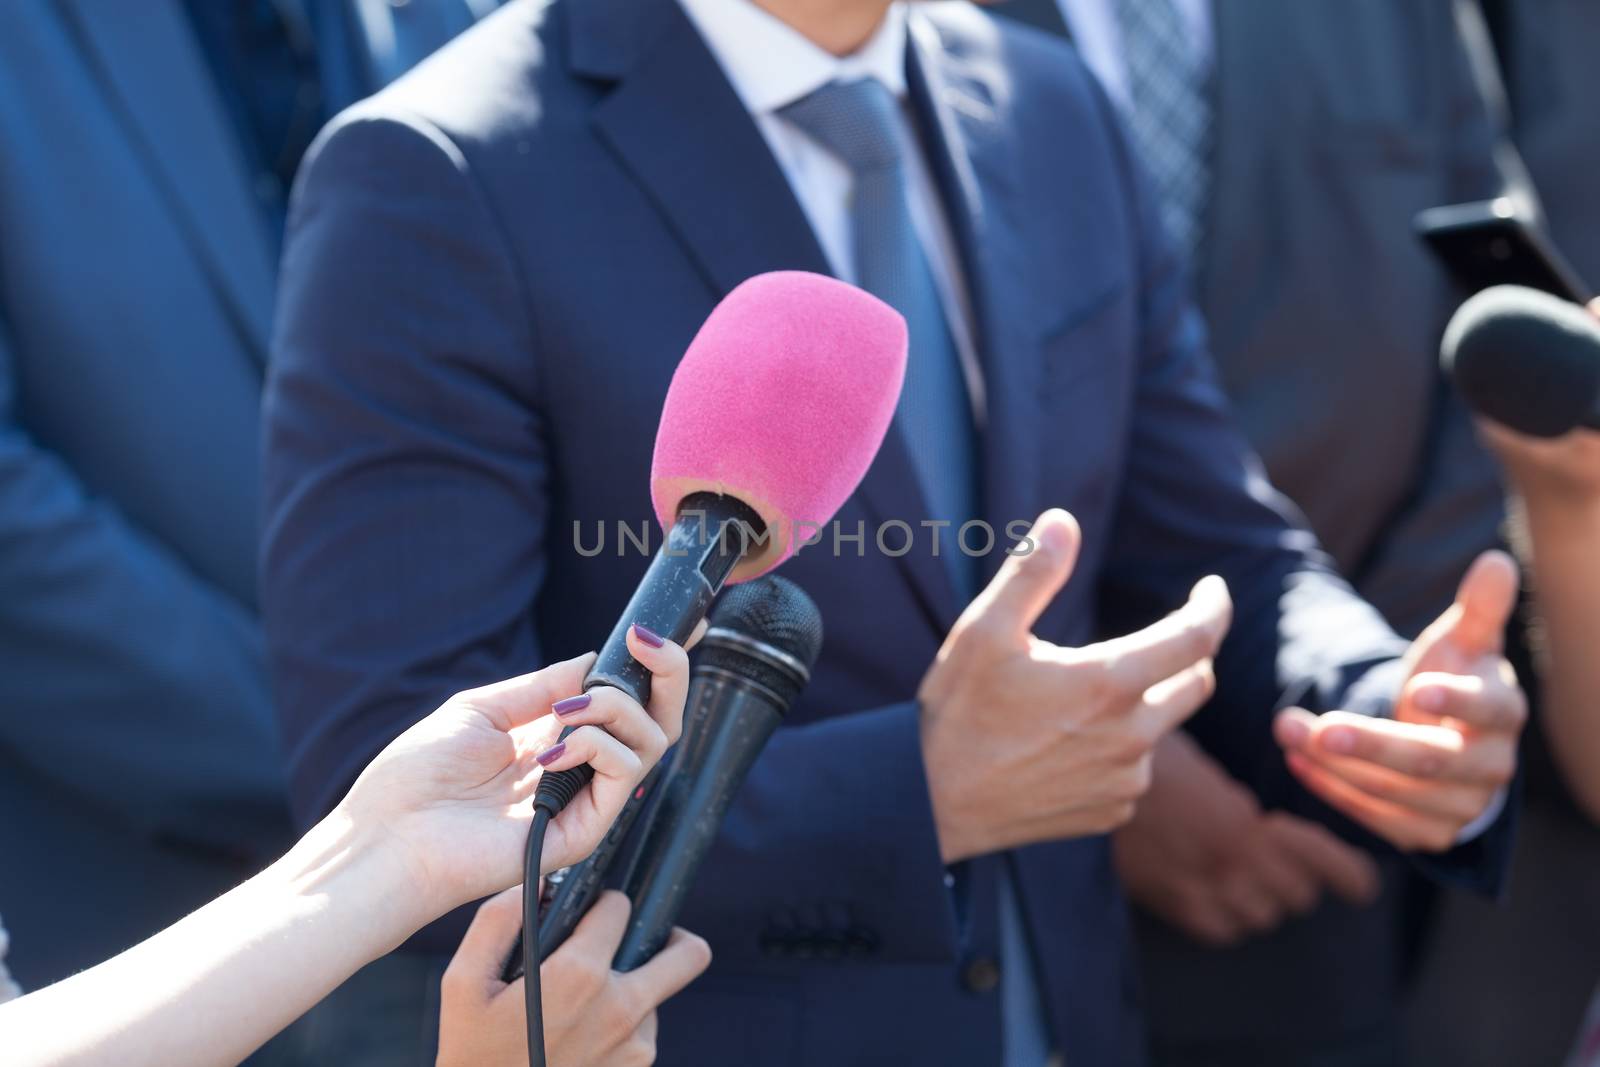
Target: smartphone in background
<point>1488,243</point>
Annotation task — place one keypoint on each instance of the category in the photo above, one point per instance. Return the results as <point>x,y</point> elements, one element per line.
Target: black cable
<point>554,793</point>
<point>530,935</point>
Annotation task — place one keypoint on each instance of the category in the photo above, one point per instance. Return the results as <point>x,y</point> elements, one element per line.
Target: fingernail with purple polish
<point>571,704</point>
<point>648,636</point>
<point>551,754</point>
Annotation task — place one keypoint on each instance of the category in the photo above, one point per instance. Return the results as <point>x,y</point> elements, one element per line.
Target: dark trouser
<point>1508,983</point>
<point>1321,991</point>
<point>1378,1049</point>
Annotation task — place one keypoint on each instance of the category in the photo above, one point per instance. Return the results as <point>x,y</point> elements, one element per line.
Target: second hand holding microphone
<point>771,420</point>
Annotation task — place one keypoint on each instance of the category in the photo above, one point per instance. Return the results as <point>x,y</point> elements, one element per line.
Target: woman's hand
<point>1560,471</point>
<point>594,1017</point>
<point>451,797</point>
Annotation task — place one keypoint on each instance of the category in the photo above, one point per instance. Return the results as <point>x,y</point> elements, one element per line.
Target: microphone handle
<point>709,538</point>
<point>736,718</point>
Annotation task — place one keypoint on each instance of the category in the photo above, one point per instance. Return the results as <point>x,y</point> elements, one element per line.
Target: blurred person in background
<point>147,149</point>
<point>1547,53</point>
<point>1536,957</point>
<point>1292,144</point>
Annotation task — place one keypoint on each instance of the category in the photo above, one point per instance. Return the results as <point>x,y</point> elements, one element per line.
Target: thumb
<point>1475,624</point>
<point>482,954</point>
<point>1031,577</point>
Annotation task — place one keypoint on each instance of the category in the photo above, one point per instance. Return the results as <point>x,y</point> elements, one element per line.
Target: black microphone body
<point>708,540</point>
<point>712,534</point>
<point>1526,359</point>
<point>751,666</point>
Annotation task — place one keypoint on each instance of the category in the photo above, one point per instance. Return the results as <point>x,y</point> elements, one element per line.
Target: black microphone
<point>711,536</point>
<point>1526,359</point>
<point>770,421</point>
<point>752,663</point>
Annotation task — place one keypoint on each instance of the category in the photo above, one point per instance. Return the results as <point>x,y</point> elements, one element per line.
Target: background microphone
<point>1526,359</point>
<point>774,414</point>
<point>749,668</point>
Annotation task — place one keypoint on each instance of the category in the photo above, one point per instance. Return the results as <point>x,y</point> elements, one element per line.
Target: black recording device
<point>1489,242</point>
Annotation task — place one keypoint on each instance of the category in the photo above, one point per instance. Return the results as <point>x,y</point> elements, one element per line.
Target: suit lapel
<point>682,132</point>
<point>152,69</point>
<point>973,157</point>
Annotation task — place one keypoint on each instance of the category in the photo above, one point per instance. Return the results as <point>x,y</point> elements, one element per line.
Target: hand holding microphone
<point>435,821</point>
<point>595,1017</point>
<point>772,418</point>
<point>1530,364</point>
<point>452,792</point>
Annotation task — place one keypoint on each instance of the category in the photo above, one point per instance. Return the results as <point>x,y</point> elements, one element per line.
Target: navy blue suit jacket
<point>140,772</point>
<point>493,269</point>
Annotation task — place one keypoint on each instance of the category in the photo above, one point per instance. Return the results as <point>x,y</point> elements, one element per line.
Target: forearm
<point>215,986</point>
<point>1561,541</point>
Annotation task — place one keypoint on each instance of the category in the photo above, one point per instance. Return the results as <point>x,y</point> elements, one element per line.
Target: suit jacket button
<point>860,941</point>
<point>981,975</point>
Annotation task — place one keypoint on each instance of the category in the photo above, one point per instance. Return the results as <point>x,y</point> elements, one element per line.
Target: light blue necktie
<point>858,121</point>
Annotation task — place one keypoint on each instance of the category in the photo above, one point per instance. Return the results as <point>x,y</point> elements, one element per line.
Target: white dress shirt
<point>8,989</point>
<point>771,65</point>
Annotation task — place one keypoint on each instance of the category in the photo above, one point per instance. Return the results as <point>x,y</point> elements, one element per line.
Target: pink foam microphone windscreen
<point>781,400</point>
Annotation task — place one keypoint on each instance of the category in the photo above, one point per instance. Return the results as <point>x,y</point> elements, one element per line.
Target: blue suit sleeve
<point>404,428</point>
<point>124,676</point>
<point>404,489</point>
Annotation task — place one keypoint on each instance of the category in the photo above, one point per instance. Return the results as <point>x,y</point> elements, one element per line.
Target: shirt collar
<point>771,64</point>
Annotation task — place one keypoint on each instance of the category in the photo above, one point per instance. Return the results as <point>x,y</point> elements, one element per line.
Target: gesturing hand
<point>1028,741</point>
<point>1419,779</point>
<point>453,793</point>
<point>1201,854</point>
